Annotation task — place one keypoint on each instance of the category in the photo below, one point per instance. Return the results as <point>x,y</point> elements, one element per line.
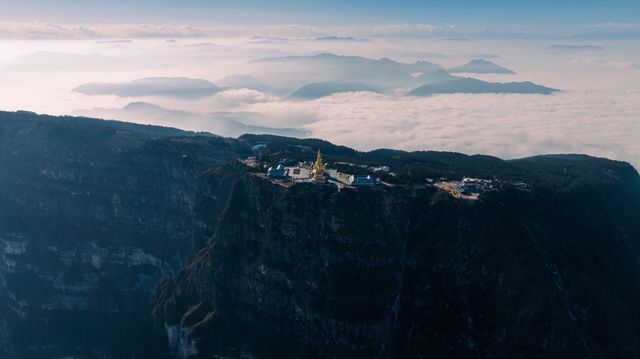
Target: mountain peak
<point>481,66</point>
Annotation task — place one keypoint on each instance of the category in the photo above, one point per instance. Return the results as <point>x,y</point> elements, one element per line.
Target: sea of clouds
<point>597,112</point>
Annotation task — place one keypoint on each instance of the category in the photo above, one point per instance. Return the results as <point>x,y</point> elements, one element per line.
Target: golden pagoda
<point>318,168</point>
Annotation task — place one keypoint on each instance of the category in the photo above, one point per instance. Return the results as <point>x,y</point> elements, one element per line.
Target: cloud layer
<point>508,126</point>
<point>278,33</point>
<point>597,112</point>
<point>40,30</point>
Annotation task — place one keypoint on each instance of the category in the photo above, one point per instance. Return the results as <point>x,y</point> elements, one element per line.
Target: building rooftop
<point>362,180</point>
<point>277,172</point>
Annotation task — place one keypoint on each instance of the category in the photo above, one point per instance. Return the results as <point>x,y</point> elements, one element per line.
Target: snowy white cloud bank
<point>40,30</point>
<point>279,33</point>
<point>507,126</point>
<point>214,83</point>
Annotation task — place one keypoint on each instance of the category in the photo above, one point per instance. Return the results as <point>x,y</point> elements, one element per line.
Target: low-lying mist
<point>353,89</point>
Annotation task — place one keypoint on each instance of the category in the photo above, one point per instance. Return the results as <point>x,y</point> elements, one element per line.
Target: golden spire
<point>318,168</point>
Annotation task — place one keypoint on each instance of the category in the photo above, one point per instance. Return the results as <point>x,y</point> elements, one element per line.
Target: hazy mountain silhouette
<point>231,124</point>
<point>322,89</point>
<point>479,66</point>
<point>154,86</point>
<point>327,67</point>
<point>469,85</point>
<point>435,77</point>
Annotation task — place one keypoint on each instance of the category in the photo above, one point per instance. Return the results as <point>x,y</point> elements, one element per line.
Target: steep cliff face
<point>312,272</point>
<point>92,216</point>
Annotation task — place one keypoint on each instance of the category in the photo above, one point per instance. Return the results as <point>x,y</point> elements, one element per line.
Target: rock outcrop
<point>312,272</point>
<point>92,215</point>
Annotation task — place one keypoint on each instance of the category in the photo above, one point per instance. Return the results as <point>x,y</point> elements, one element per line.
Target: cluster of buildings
<point>472,188</point>
<point>290,171</point>
<point>474,185</point>
<point>317,172</point>
<point>477,185</point>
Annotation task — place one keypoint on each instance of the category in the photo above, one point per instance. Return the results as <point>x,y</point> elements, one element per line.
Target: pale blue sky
<point>545,16</point>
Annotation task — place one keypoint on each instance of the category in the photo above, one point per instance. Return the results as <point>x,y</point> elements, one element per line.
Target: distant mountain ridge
<point>153,86</point>
<point>479,66</point>
<point>320,75</point>
<point>436,76</point>
<point>418,66</point>
<point>387,75</point>
<point>223,123</point>
<point>474,86</point>
<point>322,89</point>
<point>381,73</point>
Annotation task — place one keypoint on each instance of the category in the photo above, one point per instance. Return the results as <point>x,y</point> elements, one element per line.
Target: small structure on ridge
<point>279,172</point>
<point>362,180</point>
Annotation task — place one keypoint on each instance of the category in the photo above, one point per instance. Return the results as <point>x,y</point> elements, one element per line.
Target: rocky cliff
<point>312,272</point>
<point>128,241</point>
<point>92,215</point>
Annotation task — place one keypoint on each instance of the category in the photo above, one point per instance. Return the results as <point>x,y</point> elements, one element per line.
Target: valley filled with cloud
<point>497,95</point>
